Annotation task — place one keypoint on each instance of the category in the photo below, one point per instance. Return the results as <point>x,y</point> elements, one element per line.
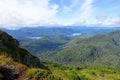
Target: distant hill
<point>96,51</point>
<point>37,32</point>
<point>26,33</point>
<point>44,44</point>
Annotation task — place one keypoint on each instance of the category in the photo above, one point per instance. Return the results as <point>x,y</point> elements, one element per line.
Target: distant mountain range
<point>71,31</point>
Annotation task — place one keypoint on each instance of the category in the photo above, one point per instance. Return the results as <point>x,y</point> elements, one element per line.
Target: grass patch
<point>39,74</point>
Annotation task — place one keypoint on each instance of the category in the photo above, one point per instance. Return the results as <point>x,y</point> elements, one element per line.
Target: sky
<point>59,13</point>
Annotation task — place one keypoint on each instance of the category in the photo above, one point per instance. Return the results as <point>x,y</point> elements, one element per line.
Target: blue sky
<point>59,12</point>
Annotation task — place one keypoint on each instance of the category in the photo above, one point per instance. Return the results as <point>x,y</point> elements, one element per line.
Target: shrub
<point>73,76</point>
<point>39,74</point>
<point>83,77</point>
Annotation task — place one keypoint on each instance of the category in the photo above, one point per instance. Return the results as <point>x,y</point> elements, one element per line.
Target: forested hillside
<point>45,44</point>
<point>97,51</point>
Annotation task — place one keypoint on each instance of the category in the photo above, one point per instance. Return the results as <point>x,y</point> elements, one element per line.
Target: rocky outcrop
<point>11,72</point>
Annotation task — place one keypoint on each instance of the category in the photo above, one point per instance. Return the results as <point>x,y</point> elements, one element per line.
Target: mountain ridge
<point>97,51</point>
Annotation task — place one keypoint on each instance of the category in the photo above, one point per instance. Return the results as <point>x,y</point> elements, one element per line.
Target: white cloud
<point>82,12</point>
<point>101,16</point>
<point>42,12</point>
<point>86,9</point>
<point>112,22</point>
<point>85,12</point>
<point>67,9</point>
<point>26,12</point>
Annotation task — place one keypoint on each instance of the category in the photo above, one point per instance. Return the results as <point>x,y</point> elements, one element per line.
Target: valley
<point>93,57</point>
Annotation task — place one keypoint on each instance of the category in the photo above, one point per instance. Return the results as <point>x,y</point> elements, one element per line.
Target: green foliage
<point>96,51</point>
<point>83,77</point>
<point>77,73</point>
<point>73,75</point>
<point>39,74</point>
<point>10,47</point>
<point>43,45</point>
<point>5,60</point>
<point>101,52</point>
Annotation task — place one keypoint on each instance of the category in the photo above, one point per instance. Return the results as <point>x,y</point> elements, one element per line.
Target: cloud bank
<point>52,13</point>
<point>27,12</point>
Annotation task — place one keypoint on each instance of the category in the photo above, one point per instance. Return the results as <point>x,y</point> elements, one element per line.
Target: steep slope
<point>15,62</point>
<point>10,47</point>
<point>97,51</point>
